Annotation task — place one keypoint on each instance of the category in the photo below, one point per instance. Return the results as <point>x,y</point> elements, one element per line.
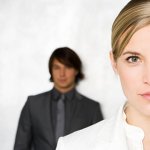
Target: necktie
<point>60,120</point>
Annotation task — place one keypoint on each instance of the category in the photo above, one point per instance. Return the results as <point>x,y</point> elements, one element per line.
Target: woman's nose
<point>147,75</point>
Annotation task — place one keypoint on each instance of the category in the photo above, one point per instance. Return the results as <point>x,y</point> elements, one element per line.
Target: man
<point>47,116</point>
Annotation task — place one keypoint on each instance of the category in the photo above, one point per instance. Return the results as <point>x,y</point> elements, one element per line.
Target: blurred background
<point>31,29</point>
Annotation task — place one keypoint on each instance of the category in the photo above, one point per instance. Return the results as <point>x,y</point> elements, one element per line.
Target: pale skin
<point>133,68</point>
<point>63,76</point>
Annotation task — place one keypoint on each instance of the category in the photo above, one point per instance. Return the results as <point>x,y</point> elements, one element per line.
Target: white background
<point>31,29</point>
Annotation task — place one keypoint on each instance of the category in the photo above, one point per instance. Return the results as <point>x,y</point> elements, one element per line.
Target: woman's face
<point>133,68</point>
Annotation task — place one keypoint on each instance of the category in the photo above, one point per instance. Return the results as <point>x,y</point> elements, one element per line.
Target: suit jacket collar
<point>117,139</point>
<point>68,95</point>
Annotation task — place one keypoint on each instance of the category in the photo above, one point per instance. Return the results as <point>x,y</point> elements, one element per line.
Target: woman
<point>130,57</point>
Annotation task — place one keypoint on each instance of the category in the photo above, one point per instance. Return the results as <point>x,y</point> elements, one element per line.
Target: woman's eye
<point>133,59</point>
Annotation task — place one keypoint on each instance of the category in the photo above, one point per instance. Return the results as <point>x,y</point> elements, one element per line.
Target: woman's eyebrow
<point>131,52</point>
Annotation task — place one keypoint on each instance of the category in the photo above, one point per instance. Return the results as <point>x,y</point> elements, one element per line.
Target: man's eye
<point>133,59</point>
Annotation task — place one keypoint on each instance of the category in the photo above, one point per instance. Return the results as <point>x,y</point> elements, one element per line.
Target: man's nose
<point>62,72</point>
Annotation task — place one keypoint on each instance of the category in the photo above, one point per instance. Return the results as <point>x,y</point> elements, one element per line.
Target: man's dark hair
<point>69,58</point>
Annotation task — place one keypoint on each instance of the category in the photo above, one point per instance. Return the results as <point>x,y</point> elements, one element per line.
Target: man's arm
<point>24,134</point>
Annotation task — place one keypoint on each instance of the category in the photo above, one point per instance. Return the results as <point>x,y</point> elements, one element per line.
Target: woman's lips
<point>146,95</point>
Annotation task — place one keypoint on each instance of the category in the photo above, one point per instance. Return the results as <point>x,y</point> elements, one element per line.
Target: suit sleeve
<point>24,134</point>
<point>98,116</point>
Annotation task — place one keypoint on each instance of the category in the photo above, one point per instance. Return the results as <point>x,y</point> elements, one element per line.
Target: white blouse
<point>134,135</point>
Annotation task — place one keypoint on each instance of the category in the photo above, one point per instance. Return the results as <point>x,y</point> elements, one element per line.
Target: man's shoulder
<point>39,96</point>
<point>86,99</point>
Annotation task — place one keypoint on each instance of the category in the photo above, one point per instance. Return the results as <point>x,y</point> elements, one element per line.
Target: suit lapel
<point>71,111</point>
<point>47,116</point>
<point>68,114</point>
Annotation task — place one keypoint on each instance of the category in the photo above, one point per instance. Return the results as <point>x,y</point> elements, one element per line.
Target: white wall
<point>31,29</point>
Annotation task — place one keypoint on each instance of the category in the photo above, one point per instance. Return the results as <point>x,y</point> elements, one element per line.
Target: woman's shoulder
<point>85,138</point>
<point>94,129</point>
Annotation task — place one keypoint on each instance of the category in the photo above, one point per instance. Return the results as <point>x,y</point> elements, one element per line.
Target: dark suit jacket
<point>35,125</point>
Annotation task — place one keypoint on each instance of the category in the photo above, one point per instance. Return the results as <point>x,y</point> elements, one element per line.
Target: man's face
<point>63,76</point>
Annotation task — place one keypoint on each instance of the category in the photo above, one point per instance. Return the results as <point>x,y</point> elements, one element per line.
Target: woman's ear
<point>113,62</point>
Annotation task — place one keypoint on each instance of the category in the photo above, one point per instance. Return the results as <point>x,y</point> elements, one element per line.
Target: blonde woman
<point>130,57</point>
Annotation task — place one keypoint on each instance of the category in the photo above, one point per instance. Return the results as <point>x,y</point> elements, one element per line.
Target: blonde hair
<point>134,16</point>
